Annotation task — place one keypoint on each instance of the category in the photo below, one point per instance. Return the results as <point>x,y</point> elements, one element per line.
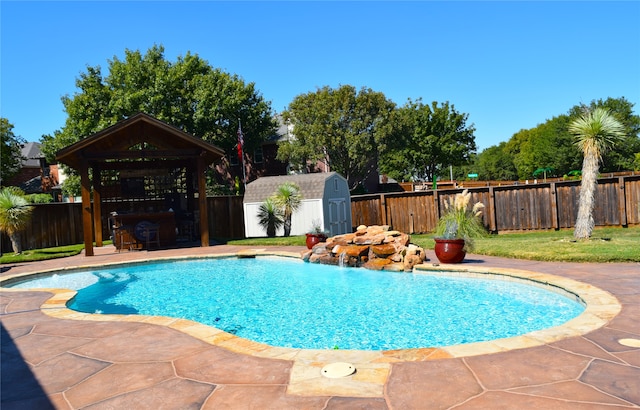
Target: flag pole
<point>241,153</point>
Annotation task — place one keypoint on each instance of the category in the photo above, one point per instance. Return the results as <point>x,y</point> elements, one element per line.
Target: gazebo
<point>143,168</point>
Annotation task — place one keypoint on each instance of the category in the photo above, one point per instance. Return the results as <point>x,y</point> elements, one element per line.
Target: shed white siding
<point>326,202</point>
<point>301,220</point>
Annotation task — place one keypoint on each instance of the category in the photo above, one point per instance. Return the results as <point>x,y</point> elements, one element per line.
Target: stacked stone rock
<point>373,247</point>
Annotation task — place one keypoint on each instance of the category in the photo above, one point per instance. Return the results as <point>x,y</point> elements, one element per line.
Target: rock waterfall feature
<point>373,247</point>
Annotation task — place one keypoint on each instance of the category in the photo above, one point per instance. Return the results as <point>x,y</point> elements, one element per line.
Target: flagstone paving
<point>56,358</point>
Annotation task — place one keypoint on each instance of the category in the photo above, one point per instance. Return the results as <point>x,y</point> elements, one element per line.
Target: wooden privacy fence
<point>540,206</point>
<point>54,224</point>
<point>551,205</point>
<point>59,224</point>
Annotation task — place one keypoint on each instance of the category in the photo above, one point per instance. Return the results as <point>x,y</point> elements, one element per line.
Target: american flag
<point>240,142</point>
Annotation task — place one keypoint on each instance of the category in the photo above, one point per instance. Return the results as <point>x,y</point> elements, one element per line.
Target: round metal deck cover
<point>338,369</point>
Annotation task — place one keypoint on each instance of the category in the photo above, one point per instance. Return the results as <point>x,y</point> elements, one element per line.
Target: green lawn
<point>42,254</point>
<point>607,245</point>
<point>612,244</point>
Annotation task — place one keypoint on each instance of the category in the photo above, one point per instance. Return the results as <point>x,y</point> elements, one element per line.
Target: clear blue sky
<point>509,65</point>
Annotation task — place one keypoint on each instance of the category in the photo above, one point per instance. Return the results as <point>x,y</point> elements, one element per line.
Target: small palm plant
<point>596,131</point>
<point>288,198</point>
<point>15,214</point>
<point>270,217</point>
<point>460,222</point>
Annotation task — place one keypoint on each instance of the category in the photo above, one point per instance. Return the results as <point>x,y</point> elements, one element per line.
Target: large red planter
<point>450,250</point>
<point>314,238</point>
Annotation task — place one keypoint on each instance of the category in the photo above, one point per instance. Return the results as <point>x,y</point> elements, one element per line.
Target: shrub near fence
<point>551,205</point>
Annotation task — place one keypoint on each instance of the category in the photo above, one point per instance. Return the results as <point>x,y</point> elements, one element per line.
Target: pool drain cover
<point>338,370</point>
<point>630,342</point>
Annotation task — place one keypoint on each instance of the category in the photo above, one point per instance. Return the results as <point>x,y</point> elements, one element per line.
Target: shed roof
<point>115,142</point>
<point>311,185</point>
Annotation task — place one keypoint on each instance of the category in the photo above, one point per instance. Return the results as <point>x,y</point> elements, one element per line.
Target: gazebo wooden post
<point>86,209</point>
<point>202,202</point>
<point>97,205</point>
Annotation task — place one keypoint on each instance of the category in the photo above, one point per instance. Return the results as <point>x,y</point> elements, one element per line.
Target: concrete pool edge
<point>373,367</point>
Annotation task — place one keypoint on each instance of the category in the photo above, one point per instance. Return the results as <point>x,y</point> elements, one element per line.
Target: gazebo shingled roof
<point>159,144</point>
<point>114,143</point>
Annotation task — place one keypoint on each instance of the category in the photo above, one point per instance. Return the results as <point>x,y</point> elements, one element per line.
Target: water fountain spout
<point>341,259</point>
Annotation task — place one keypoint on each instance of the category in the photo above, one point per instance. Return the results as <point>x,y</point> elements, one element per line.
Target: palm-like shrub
<point>459,221</point>
<point>596,132</point>
<point>270,217</point>
<point>288,198</point>
<point>15,214</point>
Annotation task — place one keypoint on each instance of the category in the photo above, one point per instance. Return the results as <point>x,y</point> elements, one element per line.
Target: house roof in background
<point>282,133</point>
<point>31,151</point>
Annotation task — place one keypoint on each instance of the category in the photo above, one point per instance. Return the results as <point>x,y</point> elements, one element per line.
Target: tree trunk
<point>287,224</point>
<point>584,221</point>
<point>16,244</point>
<point>271,230</point>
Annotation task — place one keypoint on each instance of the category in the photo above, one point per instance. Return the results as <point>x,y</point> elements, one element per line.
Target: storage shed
<point>325,200</point>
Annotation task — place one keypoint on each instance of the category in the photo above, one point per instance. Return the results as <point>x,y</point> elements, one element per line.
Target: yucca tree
<point>596,131</point>
<point>15,214</point>
<point>288,198</point>
<point>270,217</point>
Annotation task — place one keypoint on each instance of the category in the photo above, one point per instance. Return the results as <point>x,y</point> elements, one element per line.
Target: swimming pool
<point>285,302</point>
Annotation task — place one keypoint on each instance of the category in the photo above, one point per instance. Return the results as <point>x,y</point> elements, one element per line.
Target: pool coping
<point>373,367</point>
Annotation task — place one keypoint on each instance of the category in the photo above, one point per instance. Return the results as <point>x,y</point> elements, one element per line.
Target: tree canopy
<point>551,145</point>
<point>188,93</point>
<point>430,139</point>
<point>342,127</point>
<point>10,151</point>
<point>496,164</point>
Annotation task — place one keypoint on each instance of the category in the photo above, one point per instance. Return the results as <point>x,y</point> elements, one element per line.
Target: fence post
<point>436,204</point>
<point>555,224</point>
<point>383,209</point>
<point>492,210</point>
<point>622,200</point>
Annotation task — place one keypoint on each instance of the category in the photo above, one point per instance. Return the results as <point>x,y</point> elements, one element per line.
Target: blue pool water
<point>286,302</point>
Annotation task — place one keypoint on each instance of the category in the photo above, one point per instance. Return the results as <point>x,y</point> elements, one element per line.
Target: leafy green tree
<point>188,93</point>
<point>431,138</point>
<point>15,214</point>
<point>548,145</point>
<point>494,163</point>
<point>10,151</point>
<point>288,198</point>
<point>343,128</point>
<point>551,145</point>
<point>596,131</point>
<point>71,187</point>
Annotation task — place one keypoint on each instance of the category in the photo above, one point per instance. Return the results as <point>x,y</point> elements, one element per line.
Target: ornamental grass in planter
<point>315,235</point>
<point>457,227</point>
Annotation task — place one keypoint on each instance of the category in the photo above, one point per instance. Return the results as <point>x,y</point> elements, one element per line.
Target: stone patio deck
<point>54,358</point>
